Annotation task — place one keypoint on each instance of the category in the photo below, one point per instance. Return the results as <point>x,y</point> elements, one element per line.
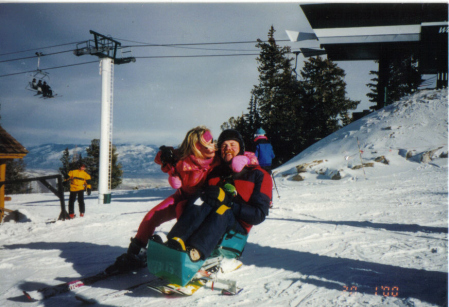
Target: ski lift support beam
<point>104,47</point>
<point>105,41</point>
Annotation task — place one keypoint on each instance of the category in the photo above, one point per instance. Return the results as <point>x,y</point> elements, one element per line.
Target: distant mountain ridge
<point>137,160</point>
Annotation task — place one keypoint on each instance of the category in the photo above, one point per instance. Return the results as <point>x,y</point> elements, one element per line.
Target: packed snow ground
<point>376,237</point>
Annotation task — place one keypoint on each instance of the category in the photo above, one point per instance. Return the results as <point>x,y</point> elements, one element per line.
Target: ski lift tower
<point>106,49</point>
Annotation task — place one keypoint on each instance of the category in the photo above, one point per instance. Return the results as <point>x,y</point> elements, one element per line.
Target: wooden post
<point>59,191</point>
<point>64,215</point>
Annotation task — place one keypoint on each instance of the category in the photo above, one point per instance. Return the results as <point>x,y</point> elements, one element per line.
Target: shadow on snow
<point>335,273</point>
<point>322,271</point>
<point>87,259</point>
<point>365,224</point>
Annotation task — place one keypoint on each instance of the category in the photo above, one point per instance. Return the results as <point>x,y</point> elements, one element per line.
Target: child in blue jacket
<point>263,150</point>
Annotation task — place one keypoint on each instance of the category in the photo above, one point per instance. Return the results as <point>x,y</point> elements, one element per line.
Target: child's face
<point>206,146</point>
<point>208,151</point>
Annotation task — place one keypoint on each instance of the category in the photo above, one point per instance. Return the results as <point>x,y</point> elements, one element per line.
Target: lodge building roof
<point>10,148</point>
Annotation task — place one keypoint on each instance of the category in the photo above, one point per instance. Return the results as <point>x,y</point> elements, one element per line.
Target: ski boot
<point>135,258</point>
<point>179,245</point>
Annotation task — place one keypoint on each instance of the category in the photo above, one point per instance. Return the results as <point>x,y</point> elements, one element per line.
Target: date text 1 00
<point>378,290</point>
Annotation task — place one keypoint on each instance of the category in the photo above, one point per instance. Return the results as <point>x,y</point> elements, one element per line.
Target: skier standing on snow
<point>187,168</point>
<point>201,226</point>
<point>263,150</point>
<point>79,181</point>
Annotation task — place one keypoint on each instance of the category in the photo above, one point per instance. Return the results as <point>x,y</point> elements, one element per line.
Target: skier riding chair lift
<point>39,83</point>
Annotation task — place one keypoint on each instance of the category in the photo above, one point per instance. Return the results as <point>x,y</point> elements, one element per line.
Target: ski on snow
<point>111,295</point>
<point>206,275</point>
<point>46,292</point>
<point>160,286</point>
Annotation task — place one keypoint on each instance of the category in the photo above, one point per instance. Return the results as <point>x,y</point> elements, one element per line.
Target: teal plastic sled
<point>172,265</point>
<point>232,245</point>
<point>176,266</point>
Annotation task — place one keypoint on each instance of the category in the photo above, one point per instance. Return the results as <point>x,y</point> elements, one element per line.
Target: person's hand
<point>174,181</point>
<point>89,191</point>
<point>215,196</point>
<point>239,162</point>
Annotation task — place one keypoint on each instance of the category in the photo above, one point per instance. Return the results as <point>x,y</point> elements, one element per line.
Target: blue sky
<point>156,100</point>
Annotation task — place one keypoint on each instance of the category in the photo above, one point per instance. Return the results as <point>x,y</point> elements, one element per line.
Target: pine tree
<point>246,124</point>
<point>324,102</point>
<point>253,117</point>
<point>294,114</point>
<point>230,124</point>
<point>117,172</point>
<point>373,85</point>
<point>92,162</point>
<point>65,168</point>
<point>277,97</point>
<point>15,171</point>
<point>403,79</point>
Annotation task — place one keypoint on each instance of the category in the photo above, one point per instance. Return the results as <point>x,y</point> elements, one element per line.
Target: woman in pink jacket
<point>187,167</point>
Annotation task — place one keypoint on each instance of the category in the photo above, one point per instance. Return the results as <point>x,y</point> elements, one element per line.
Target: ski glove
<point>175,182</point>
<point>89,191</point>
<point>215,197</point>
<point>167,155</point>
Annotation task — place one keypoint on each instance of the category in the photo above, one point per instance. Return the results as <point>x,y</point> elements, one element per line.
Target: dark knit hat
<point>231,134</point>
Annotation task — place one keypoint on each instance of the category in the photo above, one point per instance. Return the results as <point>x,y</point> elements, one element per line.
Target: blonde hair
<point>193,136</point>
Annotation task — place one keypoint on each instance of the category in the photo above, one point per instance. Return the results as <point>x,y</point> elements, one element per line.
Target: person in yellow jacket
<point>79,182</point>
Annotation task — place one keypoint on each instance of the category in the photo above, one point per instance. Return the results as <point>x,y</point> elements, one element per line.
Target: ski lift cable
<point>30,71</point>
<point>36,56</point>
<point>143,57</point>
<point>194,44</point>
<point>198,56</point>
<point>191,44</point>
<point>213,49</point>
<point>184,46</point>
<point>193,56</point>
<point>34,49</point>
<point>130,46</point>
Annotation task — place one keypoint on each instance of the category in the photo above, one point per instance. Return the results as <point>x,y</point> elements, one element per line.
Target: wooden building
<point>10,149</point>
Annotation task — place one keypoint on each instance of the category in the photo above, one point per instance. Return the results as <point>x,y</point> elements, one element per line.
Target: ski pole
<point>279,196</point>
<point>361,161</point>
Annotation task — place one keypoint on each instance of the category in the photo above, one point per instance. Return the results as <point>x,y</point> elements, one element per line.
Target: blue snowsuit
<point>264,152</point>
<point>202,226</point>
